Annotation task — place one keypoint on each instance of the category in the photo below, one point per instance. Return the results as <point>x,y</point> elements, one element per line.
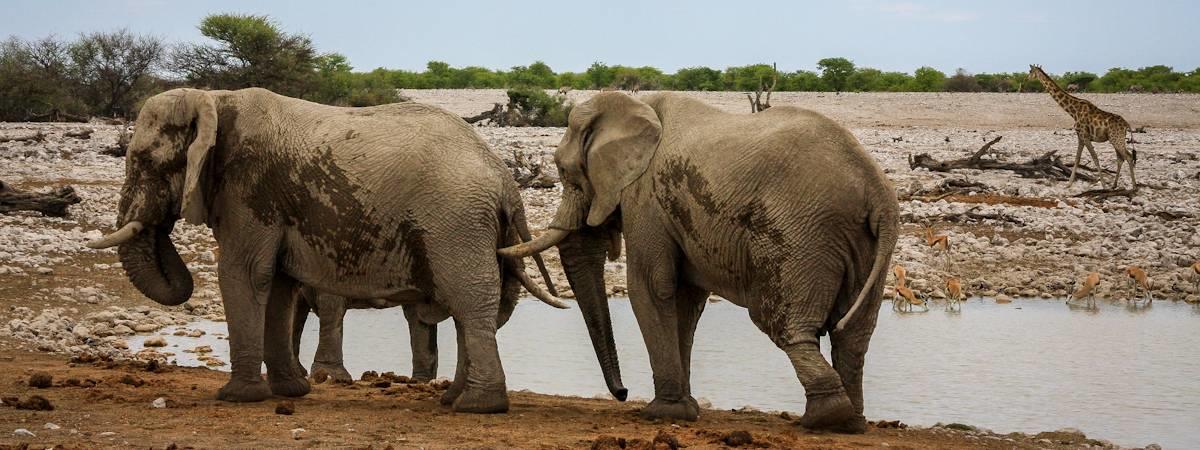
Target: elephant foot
<point>290,387</point>
<point>239,390</point>
<point>322,372</point>
<point>423,377</point>
<point>456,389</point>
<point>684,409</point>
<point>479,401</point>
<point>832,412</point>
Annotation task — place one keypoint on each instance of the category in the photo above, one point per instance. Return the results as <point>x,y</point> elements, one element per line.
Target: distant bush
<point>540,108</point>
<point>962,82</point>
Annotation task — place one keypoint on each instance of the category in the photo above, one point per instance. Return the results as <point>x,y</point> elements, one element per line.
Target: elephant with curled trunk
<point>781,212</point>
<point>331,312</point>
<point>402,202</point>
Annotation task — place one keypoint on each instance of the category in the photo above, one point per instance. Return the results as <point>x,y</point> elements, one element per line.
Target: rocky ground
<point>104,404</point>
<point>58,296</point>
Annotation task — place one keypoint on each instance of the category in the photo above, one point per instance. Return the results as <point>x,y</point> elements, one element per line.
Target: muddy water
<point>1129,376</point>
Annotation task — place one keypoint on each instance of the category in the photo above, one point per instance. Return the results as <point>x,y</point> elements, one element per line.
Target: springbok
<point>1196,277</point>
<point>907,299</point>
<point>1137,277</point>
<point>940,243</point>
<point>954,294</point>
<point>1085,292</point>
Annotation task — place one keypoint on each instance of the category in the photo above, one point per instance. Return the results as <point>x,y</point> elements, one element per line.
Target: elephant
<point>781,212</point>
<point>331,310</point>
<point>403,202</point>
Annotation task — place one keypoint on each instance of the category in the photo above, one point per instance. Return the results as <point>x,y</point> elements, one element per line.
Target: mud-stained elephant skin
<point>402,202</point>
<point>781,212</point>
<point>422,319</point>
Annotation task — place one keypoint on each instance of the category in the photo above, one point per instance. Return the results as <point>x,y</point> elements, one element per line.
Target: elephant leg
<point>460,370</point>
<point>328,361</point>
<point>245,315</point>
<point>688,307</point>
<point>652,293</point>
<point>485,390</point>
<point>298,320</point>
<point>793,317</point>
<point>423,340</point>
<point>849,355</point>
<point>284,373</point>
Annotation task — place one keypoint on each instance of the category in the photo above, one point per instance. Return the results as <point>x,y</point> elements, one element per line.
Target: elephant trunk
<point>154,266</point>
<point>583,253</point>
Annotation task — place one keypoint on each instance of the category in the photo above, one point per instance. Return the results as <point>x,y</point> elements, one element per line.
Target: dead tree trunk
<point>53,203</point>
<point>1046,166</point>
<point>757,103</point>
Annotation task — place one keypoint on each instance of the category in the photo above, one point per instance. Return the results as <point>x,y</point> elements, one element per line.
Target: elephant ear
<point>204,111</point>
<point>621,142</point>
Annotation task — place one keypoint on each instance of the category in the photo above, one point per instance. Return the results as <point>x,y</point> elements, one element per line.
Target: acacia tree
<point>250,51</point>
<point>836,72</point>
<point>109,68</point>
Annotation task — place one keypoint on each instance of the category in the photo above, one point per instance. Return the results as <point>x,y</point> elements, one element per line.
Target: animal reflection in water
<point>1085,293</point>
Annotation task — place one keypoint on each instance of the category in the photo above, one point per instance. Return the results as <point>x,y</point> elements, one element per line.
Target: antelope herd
<point>905,297</point>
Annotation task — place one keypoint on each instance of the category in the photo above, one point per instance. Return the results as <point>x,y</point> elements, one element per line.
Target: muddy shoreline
<point>58,297</point>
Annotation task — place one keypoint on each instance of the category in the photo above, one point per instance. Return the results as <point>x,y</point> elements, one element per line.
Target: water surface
<point>1130,376</point>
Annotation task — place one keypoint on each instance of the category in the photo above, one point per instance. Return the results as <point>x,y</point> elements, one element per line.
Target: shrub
<point>539,108</point>
<point>962,82</point>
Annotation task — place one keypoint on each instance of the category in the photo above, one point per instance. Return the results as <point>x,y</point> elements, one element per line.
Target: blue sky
<point>885,34</point>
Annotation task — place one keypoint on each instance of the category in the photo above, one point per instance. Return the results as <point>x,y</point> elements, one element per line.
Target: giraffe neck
<point>1068,102</point>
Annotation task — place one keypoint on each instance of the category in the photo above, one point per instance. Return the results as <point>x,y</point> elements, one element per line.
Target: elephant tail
<point>885,222</point>
<point>514,211</point>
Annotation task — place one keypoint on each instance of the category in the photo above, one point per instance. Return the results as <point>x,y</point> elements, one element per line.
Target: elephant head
<point>175,131</point>
<point>609,143</point>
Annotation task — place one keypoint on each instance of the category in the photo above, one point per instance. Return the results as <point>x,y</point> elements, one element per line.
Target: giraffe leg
<point>1096,161</point>
<point>1117,176</point>
<point>1078,154</point>
<point>1123,154</point>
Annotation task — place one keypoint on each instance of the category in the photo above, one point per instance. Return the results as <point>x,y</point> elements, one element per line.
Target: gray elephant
<point>402,202</point>
<point>331,311</point>
<point>781,212</point>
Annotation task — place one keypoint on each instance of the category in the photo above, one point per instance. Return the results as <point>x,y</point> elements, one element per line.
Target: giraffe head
<point>1035,72</point>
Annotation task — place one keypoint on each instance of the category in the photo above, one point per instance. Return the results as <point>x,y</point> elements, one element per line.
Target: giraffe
<point>1092,124</point>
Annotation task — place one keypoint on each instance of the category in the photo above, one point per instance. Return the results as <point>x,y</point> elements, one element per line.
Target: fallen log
<point>36,137</point>
<point>1046,166</point>
<point>53,203</point>
<point>1101,194</point>
<point>963,217</point>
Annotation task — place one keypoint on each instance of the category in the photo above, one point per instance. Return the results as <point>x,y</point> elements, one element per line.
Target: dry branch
<point>53,203</point>
<point>757,103</point>
<point>1046,166</point>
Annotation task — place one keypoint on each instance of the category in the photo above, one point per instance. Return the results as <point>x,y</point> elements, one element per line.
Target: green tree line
<point>108,73</point>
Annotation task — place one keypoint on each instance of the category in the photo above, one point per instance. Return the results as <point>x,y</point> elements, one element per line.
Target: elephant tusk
<point>536,291</point>
<point>548,239</point>
<point>118,237</point>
